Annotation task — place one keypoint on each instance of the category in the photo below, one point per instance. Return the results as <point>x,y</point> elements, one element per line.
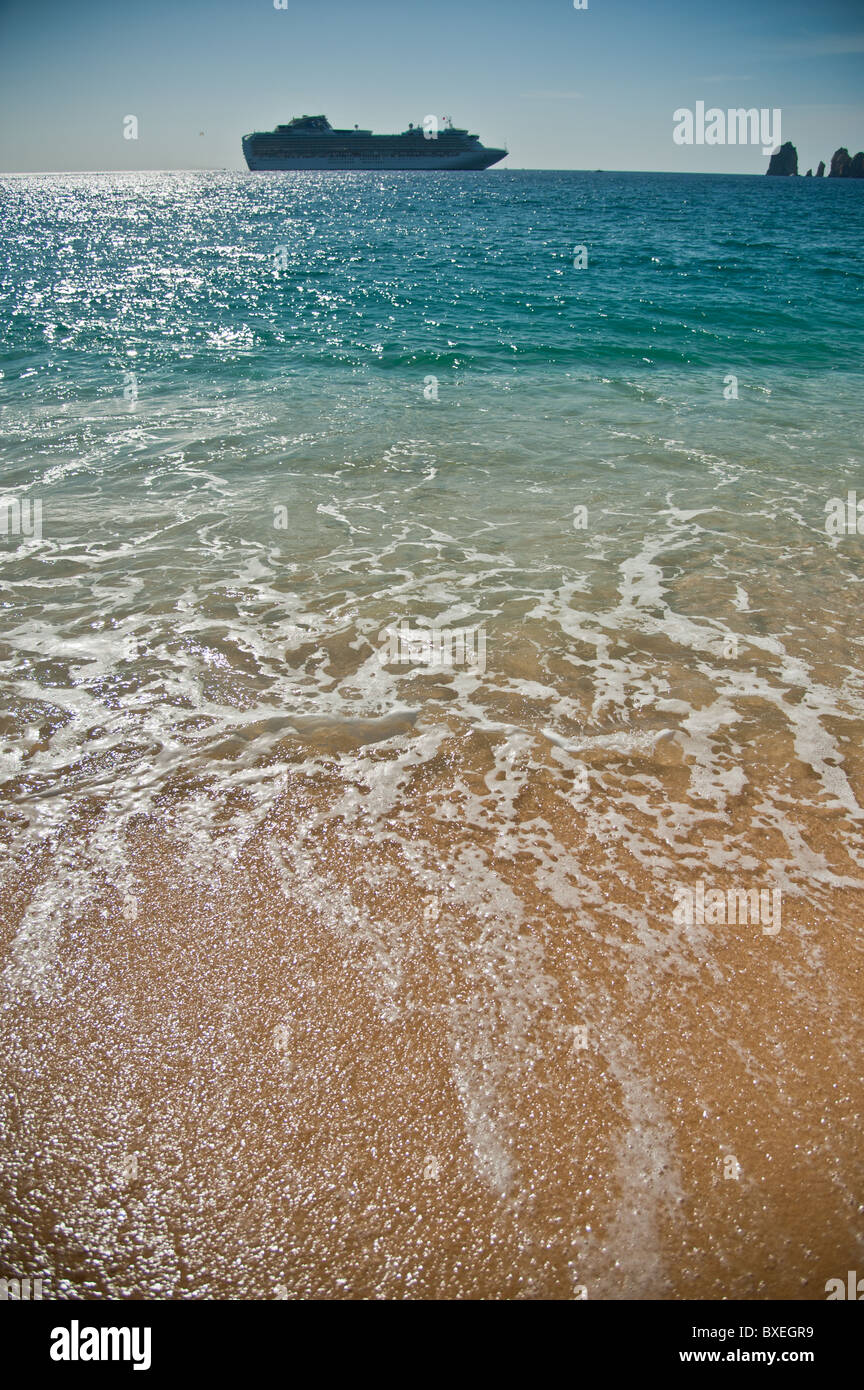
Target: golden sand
<point>323,1069</point>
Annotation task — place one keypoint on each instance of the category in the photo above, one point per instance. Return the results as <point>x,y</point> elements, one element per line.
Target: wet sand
<point>382,1046</point>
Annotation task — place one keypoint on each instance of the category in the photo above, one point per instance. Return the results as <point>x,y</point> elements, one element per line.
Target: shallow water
<point>328,974</point>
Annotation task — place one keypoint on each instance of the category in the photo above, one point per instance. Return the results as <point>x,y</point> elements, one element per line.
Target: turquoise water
<point>270,418</point>
<point>412,368</point>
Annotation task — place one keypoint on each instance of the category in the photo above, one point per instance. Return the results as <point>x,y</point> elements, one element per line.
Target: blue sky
<point>562,88</point>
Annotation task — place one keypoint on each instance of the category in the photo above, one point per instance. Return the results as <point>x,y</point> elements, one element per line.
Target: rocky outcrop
<point>840,162</point>
<point>846,166</point>
<point>784,160</point>
<point>843,165</point>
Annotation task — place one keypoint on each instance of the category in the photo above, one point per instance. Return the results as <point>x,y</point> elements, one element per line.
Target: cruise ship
<point>310,142</point>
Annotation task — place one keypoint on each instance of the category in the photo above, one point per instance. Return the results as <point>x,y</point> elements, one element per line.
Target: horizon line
<point>514,169</point>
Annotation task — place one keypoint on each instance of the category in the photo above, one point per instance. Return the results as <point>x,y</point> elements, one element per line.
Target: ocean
<point>431,744</point>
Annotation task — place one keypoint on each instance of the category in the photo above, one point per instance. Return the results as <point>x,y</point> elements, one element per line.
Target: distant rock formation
<point>843,165</point>
<point>784,160</point>
<point>840,162</point>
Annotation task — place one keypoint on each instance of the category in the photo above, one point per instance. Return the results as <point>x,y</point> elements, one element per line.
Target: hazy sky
<point>562,88</point>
